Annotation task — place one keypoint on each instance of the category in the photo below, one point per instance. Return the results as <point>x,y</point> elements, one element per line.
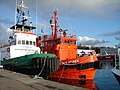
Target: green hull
<point>33,64</point>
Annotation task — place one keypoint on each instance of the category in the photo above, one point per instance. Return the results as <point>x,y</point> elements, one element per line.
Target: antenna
<point>22,17</point>
<point>36,18</point>
<point>15,13</point>
<point>15,17</point>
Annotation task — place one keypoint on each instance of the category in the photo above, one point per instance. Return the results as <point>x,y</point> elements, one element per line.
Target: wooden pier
<point>10,80</point>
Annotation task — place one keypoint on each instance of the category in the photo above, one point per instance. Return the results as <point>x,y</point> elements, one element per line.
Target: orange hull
<point>83,78</point>
<point>73,73</point>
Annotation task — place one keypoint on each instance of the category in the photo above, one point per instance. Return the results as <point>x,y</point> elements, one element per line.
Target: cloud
<point>72,8</point>
<point>84,40</point>
<point>5,33</point>
<point>118,45</point>
<point>96,8</point>
<point>117,37</point>
<point>114,33</point>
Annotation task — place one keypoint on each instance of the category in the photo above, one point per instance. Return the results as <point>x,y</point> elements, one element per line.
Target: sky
<point>95,22</point>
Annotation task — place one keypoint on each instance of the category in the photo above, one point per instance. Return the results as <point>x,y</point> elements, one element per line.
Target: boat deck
<point>10,80</point>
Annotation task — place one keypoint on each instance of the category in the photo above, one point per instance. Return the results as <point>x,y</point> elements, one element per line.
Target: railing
<point>48,37</point>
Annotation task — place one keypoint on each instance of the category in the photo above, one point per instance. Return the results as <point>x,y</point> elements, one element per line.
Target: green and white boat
<point>22,54</point>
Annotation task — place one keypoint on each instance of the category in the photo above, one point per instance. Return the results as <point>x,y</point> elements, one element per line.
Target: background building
<point>109,50</point>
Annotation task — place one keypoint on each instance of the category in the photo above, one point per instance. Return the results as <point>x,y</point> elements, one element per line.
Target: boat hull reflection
<point>80,83</point>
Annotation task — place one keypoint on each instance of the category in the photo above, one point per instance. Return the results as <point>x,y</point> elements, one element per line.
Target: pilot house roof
<point>25,27</point>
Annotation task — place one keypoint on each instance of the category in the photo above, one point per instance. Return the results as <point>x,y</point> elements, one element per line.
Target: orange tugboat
<point>72,66</point>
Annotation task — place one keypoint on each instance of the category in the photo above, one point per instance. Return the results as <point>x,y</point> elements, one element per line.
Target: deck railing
<point>48,37</point>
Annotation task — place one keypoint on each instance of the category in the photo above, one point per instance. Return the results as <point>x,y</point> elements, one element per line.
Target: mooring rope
<point>61,74</point>
<point>37,76</point>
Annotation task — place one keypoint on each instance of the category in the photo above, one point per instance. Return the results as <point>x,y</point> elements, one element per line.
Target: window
<point>33,43</point>
<point>23,42</point>
<point>66,41</point>
<point>58,42</point>
<point>30,42</point>
<point>27,30</point>
<point>72,42</point>
<point>48,43</point>
<point>63,41</point>
<point>27,42</point>
<point>42,44</point>
<point>19,41</point>
<point>55,42</point>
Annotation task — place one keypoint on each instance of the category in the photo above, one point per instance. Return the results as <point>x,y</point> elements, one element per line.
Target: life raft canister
<point>8,49</point>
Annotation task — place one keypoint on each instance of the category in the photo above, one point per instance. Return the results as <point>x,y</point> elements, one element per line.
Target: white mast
<point>15,13</point>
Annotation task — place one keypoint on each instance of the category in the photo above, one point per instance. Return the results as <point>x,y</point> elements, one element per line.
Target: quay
<point>10,80</point>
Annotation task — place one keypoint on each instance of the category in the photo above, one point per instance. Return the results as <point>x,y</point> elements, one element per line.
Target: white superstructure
<point>25,44</point>
<point>23,41</point>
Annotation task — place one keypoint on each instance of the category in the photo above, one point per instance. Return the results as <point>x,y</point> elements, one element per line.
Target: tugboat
<point>22,54</point>
<point>72,67</point>
<point>116,69</point>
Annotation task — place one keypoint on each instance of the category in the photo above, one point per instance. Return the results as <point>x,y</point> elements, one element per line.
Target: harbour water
<point>105,80</point>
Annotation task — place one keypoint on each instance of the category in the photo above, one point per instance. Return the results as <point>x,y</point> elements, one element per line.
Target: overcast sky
<point>95,22</point>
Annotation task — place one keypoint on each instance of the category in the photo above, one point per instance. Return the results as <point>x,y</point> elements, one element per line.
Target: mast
<point>22,17</point>
<point>54,25</point>
<point>15,14</point>
<point>55,20</point>
<point>36,17</point>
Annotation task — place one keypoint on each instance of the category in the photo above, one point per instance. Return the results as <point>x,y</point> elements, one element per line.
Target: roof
<point>25,26</point>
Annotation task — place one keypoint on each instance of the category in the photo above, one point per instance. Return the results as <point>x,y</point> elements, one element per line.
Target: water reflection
<point>80,83</point>
<point>90,84</point>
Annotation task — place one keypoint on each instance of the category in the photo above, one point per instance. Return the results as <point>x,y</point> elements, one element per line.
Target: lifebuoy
<point>8,49</point>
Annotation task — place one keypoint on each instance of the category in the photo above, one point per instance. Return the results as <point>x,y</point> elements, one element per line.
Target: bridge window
<point>63,41</point>
<point>66,41</point>
<point>42,44</point>
<point>72,42</point>
<point>23,42</point>
<point>19,41</point>
<point>33,43</point>
<point>30,42</point>
<point>48,43</point>
<point>27,42</point>
<point>56,42</point>
<point>19,29</point>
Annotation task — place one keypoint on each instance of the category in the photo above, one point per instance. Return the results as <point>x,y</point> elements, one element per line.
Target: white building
<point>109,50</point>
